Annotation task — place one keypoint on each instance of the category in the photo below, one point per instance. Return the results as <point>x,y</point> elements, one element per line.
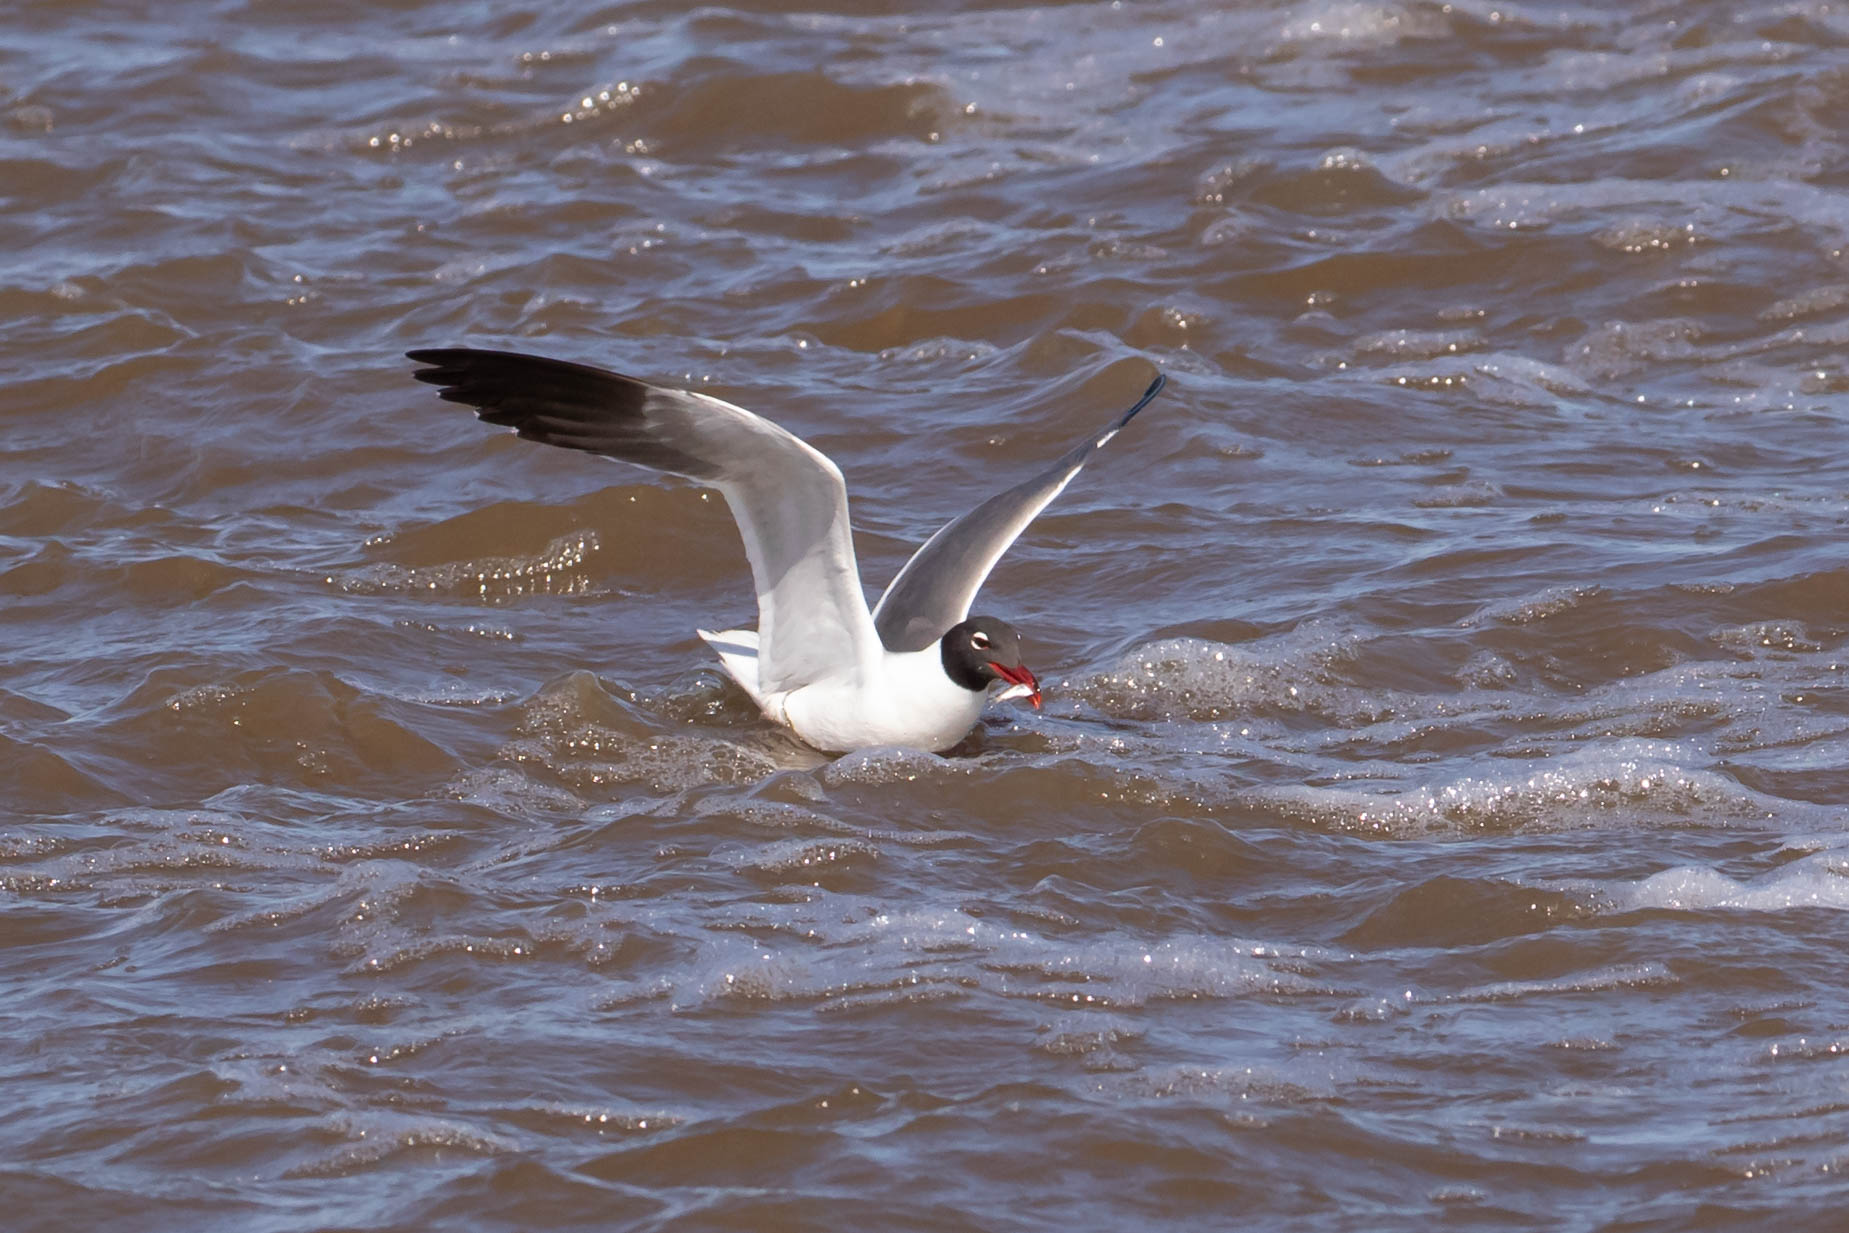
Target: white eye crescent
<point>979,640</point>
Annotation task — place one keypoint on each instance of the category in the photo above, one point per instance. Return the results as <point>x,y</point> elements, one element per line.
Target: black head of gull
<point>983,650</point>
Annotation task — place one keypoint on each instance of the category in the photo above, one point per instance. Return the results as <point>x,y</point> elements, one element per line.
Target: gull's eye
<point>979,640</point>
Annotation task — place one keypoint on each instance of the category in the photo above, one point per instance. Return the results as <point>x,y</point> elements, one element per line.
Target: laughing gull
<point>914,671</point>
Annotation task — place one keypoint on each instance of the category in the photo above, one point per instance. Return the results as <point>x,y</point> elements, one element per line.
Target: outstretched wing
<point>935,589</point>
<point>788,498</point>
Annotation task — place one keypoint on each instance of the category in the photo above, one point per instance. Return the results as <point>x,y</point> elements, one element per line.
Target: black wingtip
<point>436,356</point>
<point>1149,396</point>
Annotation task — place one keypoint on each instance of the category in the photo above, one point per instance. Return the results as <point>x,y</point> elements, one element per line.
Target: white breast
<point>901,699</point>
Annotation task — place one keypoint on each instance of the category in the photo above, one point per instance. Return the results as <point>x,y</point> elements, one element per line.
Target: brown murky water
<point>1438,815</point>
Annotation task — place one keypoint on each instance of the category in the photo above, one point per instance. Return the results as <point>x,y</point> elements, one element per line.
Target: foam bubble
<point>1495,377</point>
<point>1817,881</point>
<point>888,765</point>
<point>1362,25</point>
<point>1197,679</point>
<point>374,1137</point>
<point>1808,303</point>
<point>1614,976</point>
<point>591,738</point>
<point>804,857</point>
<point>1759,637</point>
<point>1627,780</point>
<point>556,569</point>
<point>1537,606</point>
<point>1404,344</point>
<point>603,1119</point>
<point>1111,973</point>
<point>845,953</point>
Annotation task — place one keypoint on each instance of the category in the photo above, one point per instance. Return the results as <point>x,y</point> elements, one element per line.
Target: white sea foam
<point>825,949</point>
<point>1204,680</point>
<point>1820,880</point>
<point>1626,781</point>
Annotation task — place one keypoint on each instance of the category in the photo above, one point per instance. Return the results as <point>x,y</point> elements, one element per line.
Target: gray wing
<point>788,498</point>
<point>935,589</point>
